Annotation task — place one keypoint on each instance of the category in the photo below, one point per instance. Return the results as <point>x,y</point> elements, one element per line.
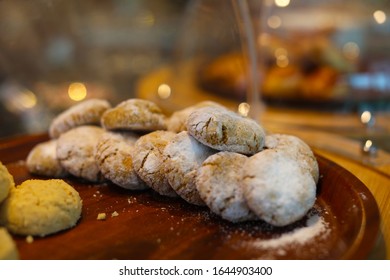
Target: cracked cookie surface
<point>297,149</point>
<point>149,162</point>
<point>225,130</point>
<point>87,112</point>
<point>114,158</point>
<point>277,188</point>
<point>177,122</point>
<point>219,185</point>
<point>183,156</point>
<point>76,152</point>
<point>134,114</point>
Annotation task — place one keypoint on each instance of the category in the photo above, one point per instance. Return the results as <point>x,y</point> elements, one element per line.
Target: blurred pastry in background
<point>303,67</point>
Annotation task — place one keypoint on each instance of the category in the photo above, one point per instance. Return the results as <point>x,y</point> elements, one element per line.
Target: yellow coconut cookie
<point>41,207</point>
<point>8,249</point>
<point>6,182</point>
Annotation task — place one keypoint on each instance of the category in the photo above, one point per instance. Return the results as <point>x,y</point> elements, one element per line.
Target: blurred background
<point>54,53</point>
<point>307,64</point>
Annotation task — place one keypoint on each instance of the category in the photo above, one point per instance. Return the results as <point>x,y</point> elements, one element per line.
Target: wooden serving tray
<point>150,226</point>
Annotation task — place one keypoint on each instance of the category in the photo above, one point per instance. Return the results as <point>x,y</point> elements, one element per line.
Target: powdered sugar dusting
<point>315,225</point>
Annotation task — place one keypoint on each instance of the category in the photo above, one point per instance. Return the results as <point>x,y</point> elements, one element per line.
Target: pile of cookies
<point>205,154</point>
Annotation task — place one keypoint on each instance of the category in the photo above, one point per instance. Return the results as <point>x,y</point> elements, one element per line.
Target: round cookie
<point>276,188</point>
<point>134,114</point>
<point>6,182</point>
<point>219,185</point>
<point>149,162</point>
<point>41,207</point>
<point>225,130</point>
<point>87,112</point>
<point>177,122</point>
<point>183,156</point>
<point>113,157</point>
<point>8,249</point>
<point>298,150</point>
<point>76,152</point>
<point>42,160</point>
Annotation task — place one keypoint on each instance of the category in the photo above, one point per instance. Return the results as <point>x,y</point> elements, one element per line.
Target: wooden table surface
<point>332,135</point>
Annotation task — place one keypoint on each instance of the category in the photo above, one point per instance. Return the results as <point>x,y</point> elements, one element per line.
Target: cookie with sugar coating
<point>42,160</point>
<point>86,112</point>
<point>177,122</point>
<point>41,207</point>
<point>219,184</point>
<point>8,249</point>
<point>134,114</point>
<point>183,156</point>
<point>277,189</point>
<point>6,182</point>
<point>297,149</point>
<point>76,152</point>
<point>114,158</point>
<point>225,130</point>
<point>149,162</point>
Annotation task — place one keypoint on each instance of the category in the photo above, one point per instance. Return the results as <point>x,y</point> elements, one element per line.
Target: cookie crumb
<point>114,214</point>
<point>101,216</point>
<point>29,239</point>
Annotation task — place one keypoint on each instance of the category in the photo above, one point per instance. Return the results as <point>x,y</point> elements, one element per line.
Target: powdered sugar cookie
<point>41,207</point>
<point>134,114</point>
<point>177,122</point>
<point>225,130</point>
<point>42,160</point>
<point>277,189</point>
<point>87,112</point>
<point>6,182</point>
<point>113,156</point>
<point>76,152</point>
<point>149,162</point>
<point>8,249</point>
<point>219,185</point>
<point>184,155</point>
<point>298,150</point>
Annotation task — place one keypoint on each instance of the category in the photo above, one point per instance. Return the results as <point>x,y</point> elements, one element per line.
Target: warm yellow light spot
<point>27,99</point>
<point>379,16</point>
<point>282,3</point>
<point>243,109</point>
<point>366,117</point>
<point>274,22</point>
<point>263,39</point>
<point>77,91</point>
<point>280,52</point>
<point>351,50</point>
<point>164,91</point>
<point>282,61</point>
<point>367,146</point>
